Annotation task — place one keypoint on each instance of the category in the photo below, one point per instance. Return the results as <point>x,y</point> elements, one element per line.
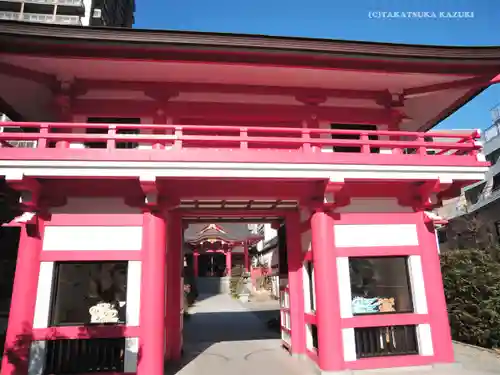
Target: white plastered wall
<point>82,238</point>
<point>376,235</point>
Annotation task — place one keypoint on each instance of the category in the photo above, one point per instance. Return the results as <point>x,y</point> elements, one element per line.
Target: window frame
<point>54,292</point>
<point>411,308</point>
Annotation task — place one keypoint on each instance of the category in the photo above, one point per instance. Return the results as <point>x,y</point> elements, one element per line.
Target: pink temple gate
<point>104,171</point>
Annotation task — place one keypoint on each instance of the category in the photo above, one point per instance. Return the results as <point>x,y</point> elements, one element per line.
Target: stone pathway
<point>224,336</point>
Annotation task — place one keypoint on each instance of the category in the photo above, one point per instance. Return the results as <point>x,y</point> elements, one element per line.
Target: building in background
<point>113,13</point>
<point>267,252</point>
<point>476,212</point>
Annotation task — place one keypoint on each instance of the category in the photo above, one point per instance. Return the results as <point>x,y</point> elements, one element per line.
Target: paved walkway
<point>224,336</point>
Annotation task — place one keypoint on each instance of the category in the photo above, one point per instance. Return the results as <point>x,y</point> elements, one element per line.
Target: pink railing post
<point>306,140</point>
<point>111,142</point>
<point>365,148</point>
<point>244,138</point>
<point>422,150</point>
<point>44,131</point>
<point>161,119</point>
<point>178,138</point>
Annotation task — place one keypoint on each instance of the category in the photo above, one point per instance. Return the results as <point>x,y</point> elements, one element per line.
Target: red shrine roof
<point>129,67</point>
<point>227,232</point>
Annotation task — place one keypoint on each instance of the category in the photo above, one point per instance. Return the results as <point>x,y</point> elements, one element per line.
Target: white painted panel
<point>314,286</point>
<point>372,235</point>
<point>373,205</point>
<point>238,170</point>
<point>133,293</point>
<point>349,342</point>
<point>306,241</point>
<point>309,337</point>
<point>43,295</point>
<point>417,284</point>
<point>344,282</point>
<point>92,238</point>
<point>131,350</point>
<point>95,206</point>
<point>307,291</point>
<point>424,339</point>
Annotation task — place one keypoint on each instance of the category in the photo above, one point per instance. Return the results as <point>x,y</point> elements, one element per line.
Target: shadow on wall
<point>42,357</point>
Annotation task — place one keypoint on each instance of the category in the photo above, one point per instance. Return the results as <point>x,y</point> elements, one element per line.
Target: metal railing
<point>84,356</point>
<point>385,341</point>
<point>235,137</point>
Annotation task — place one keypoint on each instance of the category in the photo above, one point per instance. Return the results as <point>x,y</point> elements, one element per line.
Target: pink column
<point>295,282</point>
<point>22,308</point>
<point>175,295</point>
<point>330,348</point>
<point>247,260</point>
<point>152,318</point>
<point>229,263</point>
<point>195,263</point>
<point>434,290</point>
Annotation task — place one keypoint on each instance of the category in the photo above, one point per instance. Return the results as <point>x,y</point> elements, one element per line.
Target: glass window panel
<point>380,285</point>
<point>89,293</point>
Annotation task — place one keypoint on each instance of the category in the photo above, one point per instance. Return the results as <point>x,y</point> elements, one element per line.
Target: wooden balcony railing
<point>182,137</point>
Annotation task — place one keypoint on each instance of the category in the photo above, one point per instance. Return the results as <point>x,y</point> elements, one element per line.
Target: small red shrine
<point>122,138</point>
<point>212,240</point>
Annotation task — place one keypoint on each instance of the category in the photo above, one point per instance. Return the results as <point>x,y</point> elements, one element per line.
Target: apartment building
<point>113,13</point>
<point>477,209</point>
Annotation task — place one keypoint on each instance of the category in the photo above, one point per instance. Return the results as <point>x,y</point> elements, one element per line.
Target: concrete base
<point>393,370</point>
<point>441,368</point>
<point>448,366</point>
<point>244,298</point>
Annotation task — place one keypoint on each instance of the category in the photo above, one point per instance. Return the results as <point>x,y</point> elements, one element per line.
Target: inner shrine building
<point>121,139</point>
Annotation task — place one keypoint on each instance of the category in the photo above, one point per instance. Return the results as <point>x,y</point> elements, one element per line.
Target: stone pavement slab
<point>223,337</point>
<point>226,337</point>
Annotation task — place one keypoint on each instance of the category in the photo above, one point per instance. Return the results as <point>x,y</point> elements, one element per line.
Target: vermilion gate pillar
<point>22,308</point>
<point>152,316</point>
<point>330,346</point>
<point>175,293</point>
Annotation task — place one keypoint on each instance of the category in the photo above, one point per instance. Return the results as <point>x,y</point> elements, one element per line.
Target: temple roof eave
<point>183,40</point>
<point>50,51</point>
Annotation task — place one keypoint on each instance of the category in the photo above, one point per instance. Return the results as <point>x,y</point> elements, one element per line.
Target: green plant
<point>472,289</point>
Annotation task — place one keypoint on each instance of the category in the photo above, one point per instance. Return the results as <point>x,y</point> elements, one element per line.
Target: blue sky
<point>351,20</point>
